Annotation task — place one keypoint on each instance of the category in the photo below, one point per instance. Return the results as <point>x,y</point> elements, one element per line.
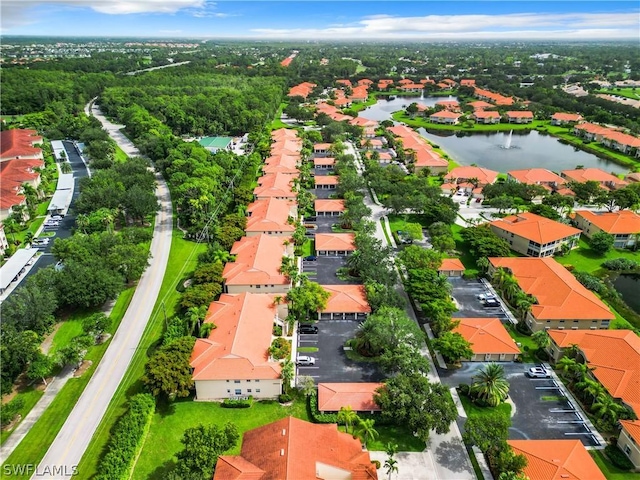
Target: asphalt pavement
<point>73,439</point>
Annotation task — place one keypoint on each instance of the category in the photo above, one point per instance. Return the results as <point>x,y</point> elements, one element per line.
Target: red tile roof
<point>566,117</point>
<point>486,335</point>
<point>468,82</point>
<point>329,205</point>
<point>560,296</point>
<point>536,176</point>
<point>326,179</point>
<point>486,114</point>
<point>335,242</point>
<point>292,449</point>
<point>270,215</point>
<point>480,104</point>
<point>445,114</point>
<point>359,396</point>
<point>620,222</point>
<point>346,299</point>
<point>275,185</point>
<point>632,427</point>
<point>19,143</point>
<point>582,175</point>
<point>484,175</point>
<point>238,347</point>
<point>534,227</point>
<point>13,173</point>
<point>258,262</point>
<point>557,460</point>
<point>520,114</point>
<point>614,356</point>
<point>494,97</point>
<point>451,264</point>
<point>324,161</point>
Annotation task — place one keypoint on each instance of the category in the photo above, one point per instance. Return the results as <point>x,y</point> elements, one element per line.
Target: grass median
<point>183,258</point>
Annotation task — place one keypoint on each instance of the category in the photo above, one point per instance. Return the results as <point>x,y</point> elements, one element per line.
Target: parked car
<point>310,258</point>
<point>305,361</point>
<point>538,372</point>
<point>485,296</point>
<point>56,217</point>
<point>491,302</point>
<point>311,226</point>
<point>307,328</point>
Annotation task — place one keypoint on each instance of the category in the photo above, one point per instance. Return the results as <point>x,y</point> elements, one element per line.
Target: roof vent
<point>282,452</point>
<point>284,432</point>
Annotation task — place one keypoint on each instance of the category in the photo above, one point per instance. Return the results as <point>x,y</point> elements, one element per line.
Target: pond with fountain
<point>500,151</point>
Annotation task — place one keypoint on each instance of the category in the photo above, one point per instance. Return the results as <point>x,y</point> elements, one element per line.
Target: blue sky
<point>329,20</point>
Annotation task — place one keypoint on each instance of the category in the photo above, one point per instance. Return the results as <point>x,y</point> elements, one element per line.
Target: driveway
<point>323,193</point>
<point>323,270</point>
<point>542,412</point>
<point>332,364</point>
<point>465,297</point>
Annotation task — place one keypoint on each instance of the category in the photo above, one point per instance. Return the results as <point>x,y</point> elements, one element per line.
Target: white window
<point>257,390</point>
<point>238,391</point>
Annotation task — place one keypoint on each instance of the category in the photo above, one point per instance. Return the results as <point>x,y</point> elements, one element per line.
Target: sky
<point>328,20</point>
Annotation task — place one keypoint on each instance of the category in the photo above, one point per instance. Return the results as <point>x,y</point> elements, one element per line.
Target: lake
<point>528,150</point>
<point>383,109</point>
<point>628,285</point>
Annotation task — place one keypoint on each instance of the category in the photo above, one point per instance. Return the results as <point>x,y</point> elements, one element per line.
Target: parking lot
<point>323,193</point>
<point>542,411</point>
<point>332,364</point>
<point>465,294</point>
<point>323,270</point>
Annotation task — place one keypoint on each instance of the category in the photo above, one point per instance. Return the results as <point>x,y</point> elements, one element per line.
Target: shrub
<point>590,281</point>
<point>236,403</point>
<point>9,411</point>
<point>621,264</point>
<point>280,348</point>
<point>277,330</point>
<point>376,463</point>
<point>617,457</point>
<point>464,389</point>
<point>316,416</point>
<point>284,398</point>
<point>127,439</point>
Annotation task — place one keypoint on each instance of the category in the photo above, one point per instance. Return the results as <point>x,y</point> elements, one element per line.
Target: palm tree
<point>541,339</point>
<point>28,237</point>
<point>606,407</point>
<point>65,167</point>
<point>500,276</point>
<point>82,222</point>
<point>490,385</point>
<point>391,466</point>
<point>194,317</point>
<point>365,430</point>
<point>523,305</point>
<point>287,373</point>
<point>11,226</point>
<point>347,416</point>
<point>591,388</point>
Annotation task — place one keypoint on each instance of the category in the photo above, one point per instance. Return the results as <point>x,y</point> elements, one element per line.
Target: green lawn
<point>397,222</point>
<point>68,330</point>
<point>30,396</point>
<point>276,123</point>
<point>400,436</point>
<point>525,341</point>
<point>169,424</point>
<point>182,261</point>
<point>307,248</point>
<point>307,349</point>
<point>360,68</point>
<point>120,157</point>
<point>466,257</point>
<point>610,471</point>
<point>474,410</point>
<point>632,93</point>
<point>401,116</point>
<point>586,260</point>
<point>43,432</point>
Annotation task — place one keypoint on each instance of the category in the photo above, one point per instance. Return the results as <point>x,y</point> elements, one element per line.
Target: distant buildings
<point>624,225</point>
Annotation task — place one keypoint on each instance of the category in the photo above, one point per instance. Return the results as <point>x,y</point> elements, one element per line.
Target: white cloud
<point>468,27</point>
<point>20,12</point>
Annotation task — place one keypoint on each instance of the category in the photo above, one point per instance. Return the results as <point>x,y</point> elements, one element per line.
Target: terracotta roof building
<point>421,151</point>
<point>451,267</point>
<point>582,175</point>
<point>13,174</point>
<point>287,164</point>
<point>613,357</point>
<point>257,265</point>
<point>347,302</point>
<point>534,235</point>
<point>234,360</point>
<point>341,244</point>
<point>490,341</point>
<point>624,225</point>
<point>359,396</point>
<point>19,144</point>
<point>537,176</point>
<point>328,207</point>
<point>324,162</point>
<point>271,217</point>
<point>321,147</point>
<point>292,449</point>
<point>556,460</point>
<point>486,116</point>
<point>629,441</point>
<point>302,90</point>
<point>445,116</point>
<point>275,185</point>
<point>562,301</point>
<point>493,97</point>
<point>326,181</point>
<point>480,105</point>
<point>561,118</point>
<point>483,176</point>
<point>520,116</point>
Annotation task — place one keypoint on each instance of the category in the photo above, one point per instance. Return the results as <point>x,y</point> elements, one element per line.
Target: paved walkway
<point>73,439</point>
<point>445,456</point>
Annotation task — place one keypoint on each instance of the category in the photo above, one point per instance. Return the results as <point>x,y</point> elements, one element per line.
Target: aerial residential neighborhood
<point>266,245</point>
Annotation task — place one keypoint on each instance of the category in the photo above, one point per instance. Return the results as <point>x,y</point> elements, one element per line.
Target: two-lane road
<point>73,439</point>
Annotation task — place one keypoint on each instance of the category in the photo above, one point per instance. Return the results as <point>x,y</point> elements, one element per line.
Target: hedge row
<point>315,414</point>
<point>233,403</point>
<point>127,439</point>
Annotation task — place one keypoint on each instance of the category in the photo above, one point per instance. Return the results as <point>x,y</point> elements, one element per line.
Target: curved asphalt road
<point>69,446</point>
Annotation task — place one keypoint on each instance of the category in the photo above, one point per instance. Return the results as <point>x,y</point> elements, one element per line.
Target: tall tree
<point>490,385</point>
<point>168,371</point>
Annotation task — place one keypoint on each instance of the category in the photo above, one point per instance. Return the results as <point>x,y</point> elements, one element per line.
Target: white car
<point>305,361</point>
<point>538,372</point>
